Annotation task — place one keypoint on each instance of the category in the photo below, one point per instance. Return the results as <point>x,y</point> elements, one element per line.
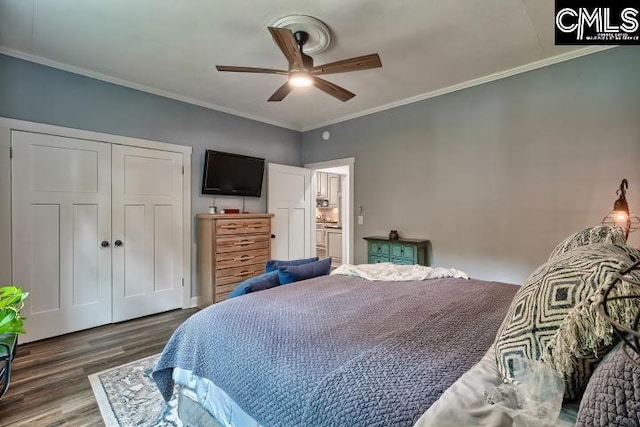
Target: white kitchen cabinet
<point>333,185</point>
<point>333,239</point>
<point>322,185</point>
<point>320,237</point>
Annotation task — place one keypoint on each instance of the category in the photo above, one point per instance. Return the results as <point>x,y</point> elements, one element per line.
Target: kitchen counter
<point>334,226</point>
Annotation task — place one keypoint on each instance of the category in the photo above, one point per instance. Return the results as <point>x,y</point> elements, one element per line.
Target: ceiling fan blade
<point>332,89</point>
<point>250,70</point>
<point>282,91</point>
<point>353,64</point>
<point>287,44</point>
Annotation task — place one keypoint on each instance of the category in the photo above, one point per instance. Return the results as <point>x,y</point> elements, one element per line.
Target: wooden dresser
<point>231,248</point>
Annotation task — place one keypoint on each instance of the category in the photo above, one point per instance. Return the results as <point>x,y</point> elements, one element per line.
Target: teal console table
<point>400,251</point>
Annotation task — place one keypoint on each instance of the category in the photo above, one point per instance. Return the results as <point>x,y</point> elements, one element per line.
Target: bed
<point>333,350</point>
<point>342,350</point>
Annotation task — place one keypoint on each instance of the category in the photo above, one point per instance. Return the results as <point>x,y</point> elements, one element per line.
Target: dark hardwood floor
<point>49,384</point>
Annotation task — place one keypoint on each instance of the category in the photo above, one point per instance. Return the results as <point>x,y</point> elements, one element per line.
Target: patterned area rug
<point>127,396</point>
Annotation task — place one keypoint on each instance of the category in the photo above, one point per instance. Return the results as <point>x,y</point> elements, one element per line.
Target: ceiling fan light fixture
<point>319,34</point>
<point>302,71</point>
<point>300,79</point>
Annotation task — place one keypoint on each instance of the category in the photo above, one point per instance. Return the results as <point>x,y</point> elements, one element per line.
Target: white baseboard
<point>195,301</point>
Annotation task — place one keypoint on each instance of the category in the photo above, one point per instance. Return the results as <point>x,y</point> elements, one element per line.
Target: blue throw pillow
<point>293,273</point>
<point>274,264</point>
<point>258,283</point>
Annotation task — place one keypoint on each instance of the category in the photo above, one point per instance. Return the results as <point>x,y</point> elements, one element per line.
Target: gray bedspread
<point>338,350</point>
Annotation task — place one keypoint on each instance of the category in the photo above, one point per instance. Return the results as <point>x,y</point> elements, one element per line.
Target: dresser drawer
<point>401,250</point>
<point>402,261</point>
<point>378,248</point>
<point>219,297</point>
<point>242,243</point>
<point>236,259</point>
<point>222,291</point>
<point>242,226</point>
<point>227,276</point>
<point>376,259</point>
<point>226,289</point>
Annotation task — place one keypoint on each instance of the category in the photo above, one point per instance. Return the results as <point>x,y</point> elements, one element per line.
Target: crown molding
<point>126,83</point>
<point>469,83</point>
<point>464,85</point>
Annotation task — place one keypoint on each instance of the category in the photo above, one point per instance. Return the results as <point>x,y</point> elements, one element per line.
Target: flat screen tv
<point>232,174</point>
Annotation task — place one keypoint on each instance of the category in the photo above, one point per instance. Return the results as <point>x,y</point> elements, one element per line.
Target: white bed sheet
<point>214,400</point>
<point>464,403</point>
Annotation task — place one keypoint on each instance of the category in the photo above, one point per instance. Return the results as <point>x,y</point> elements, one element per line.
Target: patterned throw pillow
<point>589,236</point>
<point>258,283</point>
<point>612,397</point>
<point>553,317</point>
<point>274,264</point>
<point>296,273</point>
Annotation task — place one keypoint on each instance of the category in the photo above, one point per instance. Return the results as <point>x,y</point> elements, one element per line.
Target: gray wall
<point>41,94</point>
<point>494,175</point>
<point>498,174</point>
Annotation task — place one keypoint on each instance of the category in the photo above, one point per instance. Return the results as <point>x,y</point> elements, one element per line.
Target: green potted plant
<point>11,324</point>
<point>11,302</point>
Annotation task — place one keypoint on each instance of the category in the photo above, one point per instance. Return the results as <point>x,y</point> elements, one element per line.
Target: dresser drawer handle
<point>243,243</point>
<point>244,258</point>
<point>242,273</point>
<point>231,226</point>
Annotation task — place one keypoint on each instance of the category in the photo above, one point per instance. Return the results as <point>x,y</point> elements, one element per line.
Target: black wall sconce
<point>621,215</point>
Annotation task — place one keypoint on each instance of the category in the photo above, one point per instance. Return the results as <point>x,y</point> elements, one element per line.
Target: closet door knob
<point>104,244</point>
<point>118,243</point>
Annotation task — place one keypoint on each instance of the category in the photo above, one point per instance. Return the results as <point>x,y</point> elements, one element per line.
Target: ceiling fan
<point>301,71</point>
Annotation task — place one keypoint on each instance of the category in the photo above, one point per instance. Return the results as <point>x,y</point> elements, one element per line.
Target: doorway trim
<point>349,211</point>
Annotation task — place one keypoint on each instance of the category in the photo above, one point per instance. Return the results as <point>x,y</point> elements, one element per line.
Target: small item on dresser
<point>231,211</point>
<point>393,235</point>
<point>213,210</point>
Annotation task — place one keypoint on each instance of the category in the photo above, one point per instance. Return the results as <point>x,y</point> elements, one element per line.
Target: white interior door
<point>61,199</point>
<point>289,199</point>
<point>147,232</point>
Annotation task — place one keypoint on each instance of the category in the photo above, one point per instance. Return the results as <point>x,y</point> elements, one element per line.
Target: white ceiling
<point>171,47</point>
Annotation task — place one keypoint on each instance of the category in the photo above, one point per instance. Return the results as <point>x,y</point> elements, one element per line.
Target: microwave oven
<point>322,203</point>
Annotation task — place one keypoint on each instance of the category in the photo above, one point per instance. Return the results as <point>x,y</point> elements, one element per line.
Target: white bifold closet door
<point>147,232</point>
<point>96,231</point>
<point>61,214</point>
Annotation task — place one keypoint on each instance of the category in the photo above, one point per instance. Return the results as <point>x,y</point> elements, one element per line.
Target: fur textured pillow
<point>589,236</point>
<point>612,397</point>
<point>553,317</point>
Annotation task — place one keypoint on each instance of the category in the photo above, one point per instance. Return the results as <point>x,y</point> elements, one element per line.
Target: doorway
<point>332,183</point>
